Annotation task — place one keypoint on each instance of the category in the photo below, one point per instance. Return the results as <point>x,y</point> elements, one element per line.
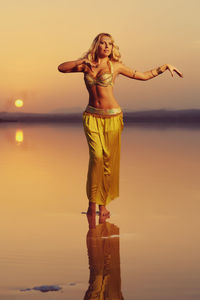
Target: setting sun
<point>19,103</point>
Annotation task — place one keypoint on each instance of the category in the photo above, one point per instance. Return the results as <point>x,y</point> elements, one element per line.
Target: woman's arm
<point>76,66</point>
<point>148,74</point>
<point>71,66</point>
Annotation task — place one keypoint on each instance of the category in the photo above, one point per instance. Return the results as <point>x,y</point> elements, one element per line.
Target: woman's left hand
<point>172,68</point>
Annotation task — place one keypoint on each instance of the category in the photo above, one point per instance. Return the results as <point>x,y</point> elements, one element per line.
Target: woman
<point>102,119</point>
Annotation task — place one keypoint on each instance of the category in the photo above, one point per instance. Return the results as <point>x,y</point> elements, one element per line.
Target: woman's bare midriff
<point>102,97</point>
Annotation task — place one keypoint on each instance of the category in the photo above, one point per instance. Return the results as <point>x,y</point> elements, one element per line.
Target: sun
<point>19,103</point>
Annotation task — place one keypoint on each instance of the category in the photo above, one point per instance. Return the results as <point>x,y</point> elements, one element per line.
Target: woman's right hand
<point>90,64</point>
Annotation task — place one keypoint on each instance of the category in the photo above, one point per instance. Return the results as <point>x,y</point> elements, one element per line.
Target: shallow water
<point>44,236</point>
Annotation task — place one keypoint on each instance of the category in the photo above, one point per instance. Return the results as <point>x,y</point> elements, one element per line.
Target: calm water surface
<point>149,248</point>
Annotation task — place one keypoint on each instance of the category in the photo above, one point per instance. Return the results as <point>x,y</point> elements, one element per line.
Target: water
<point>44,237</point>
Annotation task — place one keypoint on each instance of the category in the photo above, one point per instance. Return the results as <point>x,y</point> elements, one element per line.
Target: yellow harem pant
<point>103,135</point>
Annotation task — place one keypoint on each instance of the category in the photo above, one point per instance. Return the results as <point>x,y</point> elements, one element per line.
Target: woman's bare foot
<point>103,211</point>
<point>102,219</point>
<point>91,215</point>
<point>91,209</point>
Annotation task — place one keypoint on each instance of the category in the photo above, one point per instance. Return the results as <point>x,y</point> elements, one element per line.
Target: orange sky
<point>36,36</point>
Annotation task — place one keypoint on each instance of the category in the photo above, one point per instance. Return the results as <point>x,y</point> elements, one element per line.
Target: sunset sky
<point>36,36</point>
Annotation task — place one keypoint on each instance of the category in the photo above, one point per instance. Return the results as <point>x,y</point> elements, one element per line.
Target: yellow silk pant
<point>103,135</point>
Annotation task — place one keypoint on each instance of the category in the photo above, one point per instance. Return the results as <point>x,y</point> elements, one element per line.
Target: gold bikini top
<point>104,79</point>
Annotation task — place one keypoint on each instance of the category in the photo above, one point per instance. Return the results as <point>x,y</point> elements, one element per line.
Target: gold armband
<point>154,75</point>
<point>156,72</point>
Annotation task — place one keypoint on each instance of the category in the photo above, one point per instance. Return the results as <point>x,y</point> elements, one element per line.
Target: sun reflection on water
<point>19,136</point>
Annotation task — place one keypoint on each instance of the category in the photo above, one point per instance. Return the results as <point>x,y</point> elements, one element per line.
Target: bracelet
<point>159,70</point>
<point>152,73</point>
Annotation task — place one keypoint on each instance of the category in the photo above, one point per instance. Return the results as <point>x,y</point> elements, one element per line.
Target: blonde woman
<point>103,119</point>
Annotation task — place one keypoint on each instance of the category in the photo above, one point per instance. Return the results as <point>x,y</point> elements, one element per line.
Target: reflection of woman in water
<point>102,119</point>
<point>104,262</point>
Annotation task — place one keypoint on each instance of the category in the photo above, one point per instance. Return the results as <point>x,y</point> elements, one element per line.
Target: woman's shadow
<point>104,261</point>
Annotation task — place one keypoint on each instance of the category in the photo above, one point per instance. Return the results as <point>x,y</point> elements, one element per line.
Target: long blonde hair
<point>92,53</point>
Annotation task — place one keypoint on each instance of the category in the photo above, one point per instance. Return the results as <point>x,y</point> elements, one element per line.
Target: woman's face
<point>105,46</point>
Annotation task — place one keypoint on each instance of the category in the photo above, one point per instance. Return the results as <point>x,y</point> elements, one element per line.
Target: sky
<point>36,36</point>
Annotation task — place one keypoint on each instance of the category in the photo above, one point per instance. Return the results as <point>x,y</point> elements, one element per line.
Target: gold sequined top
<point>104,79</point>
